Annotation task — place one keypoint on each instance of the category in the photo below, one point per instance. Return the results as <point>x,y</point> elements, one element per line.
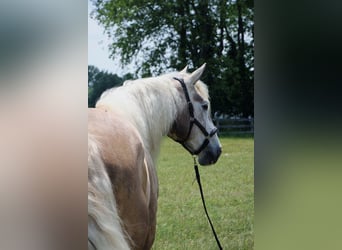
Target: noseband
<point>194,121</point>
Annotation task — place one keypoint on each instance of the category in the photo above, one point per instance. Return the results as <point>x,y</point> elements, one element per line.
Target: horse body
<point>131,172</point>
<point>127,126</point>
<point>104,223</point>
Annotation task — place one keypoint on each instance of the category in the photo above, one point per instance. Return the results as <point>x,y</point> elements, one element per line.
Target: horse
<point>125,130</point>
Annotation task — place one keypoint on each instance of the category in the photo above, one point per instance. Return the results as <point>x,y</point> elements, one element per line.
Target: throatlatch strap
<point>198,178</point>
<point>92,243</point>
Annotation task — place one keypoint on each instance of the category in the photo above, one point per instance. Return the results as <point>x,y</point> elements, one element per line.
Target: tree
<point>99,81</point>
<point>159,35</point>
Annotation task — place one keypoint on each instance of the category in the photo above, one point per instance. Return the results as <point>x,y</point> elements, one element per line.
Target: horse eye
<point>205,106</point>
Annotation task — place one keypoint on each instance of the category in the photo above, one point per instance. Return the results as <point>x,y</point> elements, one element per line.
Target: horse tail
<point>104,224</point>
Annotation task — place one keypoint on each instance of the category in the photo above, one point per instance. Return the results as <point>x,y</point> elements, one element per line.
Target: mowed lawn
<point>228,189</point>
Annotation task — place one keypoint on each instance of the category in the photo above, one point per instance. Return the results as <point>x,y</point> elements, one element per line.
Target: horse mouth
<point>209,157</point>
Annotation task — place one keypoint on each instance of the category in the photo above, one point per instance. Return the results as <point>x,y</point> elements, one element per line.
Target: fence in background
<point>235,126</point>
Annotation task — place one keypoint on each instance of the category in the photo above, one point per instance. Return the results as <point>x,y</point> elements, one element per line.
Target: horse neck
<point>158,107</point>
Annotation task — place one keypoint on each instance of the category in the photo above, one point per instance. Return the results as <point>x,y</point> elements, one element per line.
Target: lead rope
<point>198,178</point>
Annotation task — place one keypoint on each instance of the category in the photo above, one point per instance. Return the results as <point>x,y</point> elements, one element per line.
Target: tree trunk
<point>182,50</point>
<point>244,89</point>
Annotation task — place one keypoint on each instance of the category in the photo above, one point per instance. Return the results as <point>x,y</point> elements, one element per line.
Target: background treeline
<point>159,35</point>
<point>99,81</point>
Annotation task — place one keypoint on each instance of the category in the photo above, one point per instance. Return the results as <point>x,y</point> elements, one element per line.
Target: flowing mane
<point>151,104</point>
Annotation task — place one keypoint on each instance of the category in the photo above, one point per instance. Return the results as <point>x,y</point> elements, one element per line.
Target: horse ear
<point>196,75</point>
<point>184,70</point>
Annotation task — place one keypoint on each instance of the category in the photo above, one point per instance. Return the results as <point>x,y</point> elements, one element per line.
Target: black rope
<point>198,178</point>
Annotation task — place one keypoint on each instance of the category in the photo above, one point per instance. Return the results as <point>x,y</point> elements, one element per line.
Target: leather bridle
<point>194,121</point>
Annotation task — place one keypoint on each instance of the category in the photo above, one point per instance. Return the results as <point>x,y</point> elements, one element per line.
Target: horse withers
<point>124,136</point>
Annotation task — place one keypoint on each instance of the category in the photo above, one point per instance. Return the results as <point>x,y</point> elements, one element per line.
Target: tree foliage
<point>99,81</point>
<point>159,35</point>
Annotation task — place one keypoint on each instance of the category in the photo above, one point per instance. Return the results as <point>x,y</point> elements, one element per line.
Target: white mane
<point>151,104</point>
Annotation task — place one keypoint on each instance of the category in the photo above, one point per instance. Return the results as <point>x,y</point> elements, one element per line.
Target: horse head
<point>193,126</point>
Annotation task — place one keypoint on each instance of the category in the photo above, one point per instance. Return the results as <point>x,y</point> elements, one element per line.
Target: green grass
<point>228,189</point>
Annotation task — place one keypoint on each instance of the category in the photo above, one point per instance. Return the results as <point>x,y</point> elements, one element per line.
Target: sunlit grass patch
<point>229,192</point>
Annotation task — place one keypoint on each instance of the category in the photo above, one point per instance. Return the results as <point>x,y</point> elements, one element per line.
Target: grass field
<point>228,189</point>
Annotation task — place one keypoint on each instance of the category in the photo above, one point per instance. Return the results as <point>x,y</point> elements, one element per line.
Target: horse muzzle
<point>209,155</point>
